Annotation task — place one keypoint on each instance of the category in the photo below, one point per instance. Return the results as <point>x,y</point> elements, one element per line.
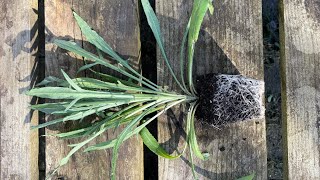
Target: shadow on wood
<point>28,46</point>
<point>230,43</point>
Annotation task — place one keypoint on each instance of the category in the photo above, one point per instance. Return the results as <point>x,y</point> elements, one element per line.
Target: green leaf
<point>78,115</point>
<point>211,8</point>
<point>115,118</point>
<point>49,108</point>
<point>182,57</point>
<point>111,143</point>
<point>59,108</point>
<point>106,77</point>
<point>192,136</point>
<point>194,174</point>
<point>154,146</point>
<point>114,143</point>
<point>72,103</point>
<point>48,123</point>
<point>199,10</point>
<point>72,84</point>
<point>90,83</point>
<point>76,148</point>
<point>98,41</point>
<point>87,66</point>
<point>73,47</point>
<point>71,133</point>
<point>101,146</point>
<point>124,114</point>
<point>155,27</point>
<point>50,80</point>
<point>250,177</point>
<point>67,93</point>
<point>125,133</point>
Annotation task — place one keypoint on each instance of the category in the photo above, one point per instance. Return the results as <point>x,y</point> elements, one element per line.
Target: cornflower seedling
<point>136,97</point>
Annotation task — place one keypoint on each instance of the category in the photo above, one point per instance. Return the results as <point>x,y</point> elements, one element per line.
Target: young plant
<point>121,101</point>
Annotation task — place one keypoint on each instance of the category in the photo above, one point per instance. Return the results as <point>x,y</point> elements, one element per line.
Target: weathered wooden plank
<point>230,42</point>
<point>18,145</point>
<point>300,65</point>
<point>117,23</point>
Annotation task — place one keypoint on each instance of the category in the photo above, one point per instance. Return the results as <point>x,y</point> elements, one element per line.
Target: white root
<point>237,98</point>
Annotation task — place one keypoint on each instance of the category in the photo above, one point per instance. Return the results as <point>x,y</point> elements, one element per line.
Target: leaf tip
<point>210,7</point>
<point>74,12</point>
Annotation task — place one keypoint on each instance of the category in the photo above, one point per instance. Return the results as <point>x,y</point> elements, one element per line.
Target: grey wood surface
<point>230,42</point>
<point>300,65</point>
<point>18,144</point>
<point>117,23</point>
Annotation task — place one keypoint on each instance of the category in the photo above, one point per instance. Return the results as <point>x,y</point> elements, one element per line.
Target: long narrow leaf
<point>58,108</point>
<point>76,148</point>
<point>78,115</point>
<point>182,57</point>
<point>73,47</point>
<point>72,103</point>
<point>123,135</point>
<point>118,86</point>
<point>111,143</point>
<point>192,163</point>
<point>154,146</point>
<point>67,93</point>
<point>199,10</point>
<point>107,77</point>
<point>115,117</point>
<point>72,84</point>
<point>98,41</point>
<point>49,108</point>
<point>50,80</point>
<point>71,133</point>
<point>155,27</point>
<point>87,66</point>
<point>192,137</point>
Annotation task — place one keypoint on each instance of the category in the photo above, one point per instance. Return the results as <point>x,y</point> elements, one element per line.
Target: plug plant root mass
<point>224,99</point>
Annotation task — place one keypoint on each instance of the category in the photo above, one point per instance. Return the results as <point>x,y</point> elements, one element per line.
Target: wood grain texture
<point>230,42</point>
<point>117,23</point>
<point>18,144</point>
<point>300,64</point>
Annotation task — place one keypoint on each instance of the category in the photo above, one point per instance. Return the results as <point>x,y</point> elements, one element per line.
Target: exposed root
<point>229,98</point>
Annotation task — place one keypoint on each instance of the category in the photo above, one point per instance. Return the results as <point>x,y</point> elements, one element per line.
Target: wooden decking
<point>300,62</point>
<point>18,51</point>
<point>230,42</point>
<point>123,35</point>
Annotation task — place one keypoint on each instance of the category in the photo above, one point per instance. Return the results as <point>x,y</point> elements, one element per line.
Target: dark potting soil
<point>224,99</point>
<point>206,87</point>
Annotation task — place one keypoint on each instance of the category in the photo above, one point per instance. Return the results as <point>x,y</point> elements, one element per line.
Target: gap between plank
<point>149,70</point>
<point>41,75</point>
